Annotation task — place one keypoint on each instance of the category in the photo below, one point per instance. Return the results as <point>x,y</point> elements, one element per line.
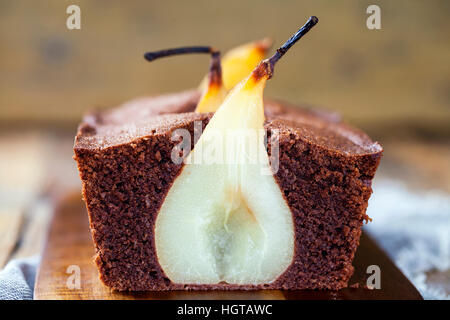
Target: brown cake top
<point>161,114</point>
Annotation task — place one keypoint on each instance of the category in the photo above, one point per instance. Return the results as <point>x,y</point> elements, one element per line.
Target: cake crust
<point>124,160</point>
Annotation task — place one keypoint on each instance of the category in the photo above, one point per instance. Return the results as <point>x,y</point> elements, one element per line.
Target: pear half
<point>223,76</point>
<point>240,61</point>
<point>227,222</point>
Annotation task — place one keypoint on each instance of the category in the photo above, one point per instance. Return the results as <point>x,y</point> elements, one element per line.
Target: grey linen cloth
<point>414,229</point>
<point>17,279</point>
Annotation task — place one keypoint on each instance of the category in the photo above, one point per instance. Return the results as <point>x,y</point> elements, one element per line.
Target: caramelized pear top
<point>236,66</point>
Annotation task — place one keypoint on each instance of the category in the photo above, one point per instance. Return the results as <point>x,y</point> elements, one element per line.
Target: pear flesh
<point>227,222</point>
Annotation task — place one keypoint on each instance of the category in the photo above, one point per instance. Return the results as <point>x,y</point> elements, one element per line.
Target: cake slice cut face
<point>236,213</point>
<point>227,221</point>
<point>128,176</point>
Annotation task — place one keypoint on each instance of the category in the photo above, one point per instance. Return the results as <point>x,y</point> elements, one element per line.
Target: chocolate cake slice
<point>124,159</point>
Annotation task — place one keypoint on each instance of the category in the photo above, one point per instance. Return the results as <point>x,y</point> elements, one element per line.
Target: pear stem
<point>150,56</point>
<point>270,63</point>
<point>215,70</point>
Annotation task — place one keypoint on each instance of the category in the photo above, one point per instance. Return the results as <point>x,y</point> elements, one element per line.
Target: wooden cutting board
<point>69,244</point>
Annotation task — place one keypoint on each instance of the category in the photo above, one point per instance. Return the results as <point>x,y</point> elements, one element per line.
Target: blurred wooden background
<point>390,82</point>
